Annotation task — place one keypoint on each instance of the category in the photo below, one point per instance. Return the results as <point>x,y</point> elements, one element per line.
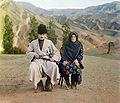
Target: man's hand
<point>65,62</point>
<point>52,60</point>
<point>76,62</point>
<point>36,56</point>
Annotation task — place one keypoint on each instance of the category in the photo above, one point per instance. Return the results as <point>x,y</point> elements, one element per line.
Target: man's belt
<point>47,59</point>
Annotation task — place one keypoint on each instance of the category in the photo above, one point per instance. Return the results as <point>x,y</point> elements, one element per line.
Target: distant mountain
<point>103,21</point>
<point>94,29</point>
<point>107,23</point>
<point>104,17</point>
<point>39,10</point>
<point>113,7</point>
<point>33,8</point>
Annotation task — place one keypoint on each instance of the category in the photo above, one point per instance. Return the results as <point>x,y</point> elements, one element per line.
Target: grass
<point>97,53</point>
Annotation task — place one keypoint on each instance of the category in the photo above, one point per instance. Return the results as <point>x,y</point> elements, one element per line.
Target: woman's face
<point>73,38</point>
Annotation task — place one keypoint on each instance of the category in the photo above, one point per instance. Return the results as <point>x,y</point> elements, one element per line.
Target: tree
<point>51,32</point>
<point>66,31</point>
<point>8,35</point>
<point>34,25</point>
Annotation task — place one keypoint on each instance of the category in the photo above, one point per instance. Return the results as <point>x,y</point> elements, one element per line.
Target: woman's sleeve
<point>80,55</point>
<point>63,54</point>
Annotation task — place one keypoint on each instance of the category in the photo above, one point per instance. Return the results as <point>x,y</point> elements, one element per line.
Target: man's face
<point>41,36</point>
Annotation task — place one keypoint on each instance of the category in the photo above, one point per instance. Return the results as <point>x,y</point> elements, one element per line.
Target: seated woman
<point>72,54</point>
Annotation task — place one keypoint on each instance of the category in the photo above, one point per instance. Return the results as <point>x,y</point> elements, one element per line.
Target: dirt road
<point>101,83</point>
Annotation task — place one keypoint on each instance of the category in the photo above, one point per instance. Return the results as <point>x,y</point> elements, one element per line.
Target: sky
<point>65,4</point>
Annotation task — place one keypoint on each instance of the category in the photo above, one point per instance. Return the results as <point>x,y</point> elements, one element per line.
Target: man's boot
<point>48,86</point>
<point>40,87</point>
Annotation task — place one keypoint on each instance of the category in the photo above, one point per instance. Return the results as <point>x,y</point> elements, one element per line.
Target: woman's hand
<point>36,56</point>
<point>76,62</point>
<point>52,60</point>
<point>65,62</point>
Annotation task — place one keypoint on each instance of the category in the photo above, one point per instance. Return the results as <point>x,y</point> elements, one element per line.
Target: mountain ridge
<point>112,7</point>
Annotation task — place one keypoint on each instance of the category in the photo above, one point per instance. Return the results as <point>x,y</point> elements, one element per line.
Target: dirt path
<point>100,83</point>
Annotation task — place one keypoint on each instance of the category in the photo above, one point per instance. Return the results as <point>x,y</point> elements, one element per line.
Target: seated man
<point>39,68</point>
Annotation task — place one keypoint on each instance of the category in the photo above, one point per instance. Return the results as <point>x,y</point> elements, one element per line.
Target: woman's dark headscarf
<point>71,49</point>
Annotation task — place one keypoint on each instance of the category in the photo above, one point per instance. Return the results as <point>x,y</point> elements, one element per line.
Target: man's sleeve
<point>30,52</point>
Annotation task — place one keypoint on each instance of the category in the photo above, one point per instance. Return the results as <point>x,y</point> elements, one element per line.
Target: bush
<point>17,50</point>
<point>14,50</point>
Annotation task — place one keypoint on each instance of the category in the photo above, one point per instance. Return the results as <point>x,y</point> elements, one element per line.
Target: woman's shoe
<point>67,87</point>
<point>79,80</point>
<point>74,81</point>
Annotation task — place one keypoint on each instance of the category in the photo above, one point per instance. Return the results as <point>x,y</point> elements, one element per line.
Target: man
<point>39,68</point>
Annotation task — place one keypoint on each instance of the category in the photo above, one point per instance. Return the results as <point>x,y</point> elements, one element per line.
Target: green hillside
<point>21,22</point>
<point>94,29</point>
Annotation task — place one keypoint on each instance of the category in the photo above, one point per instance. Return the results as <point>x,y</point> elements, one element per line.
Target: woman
<point>72,54</point>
